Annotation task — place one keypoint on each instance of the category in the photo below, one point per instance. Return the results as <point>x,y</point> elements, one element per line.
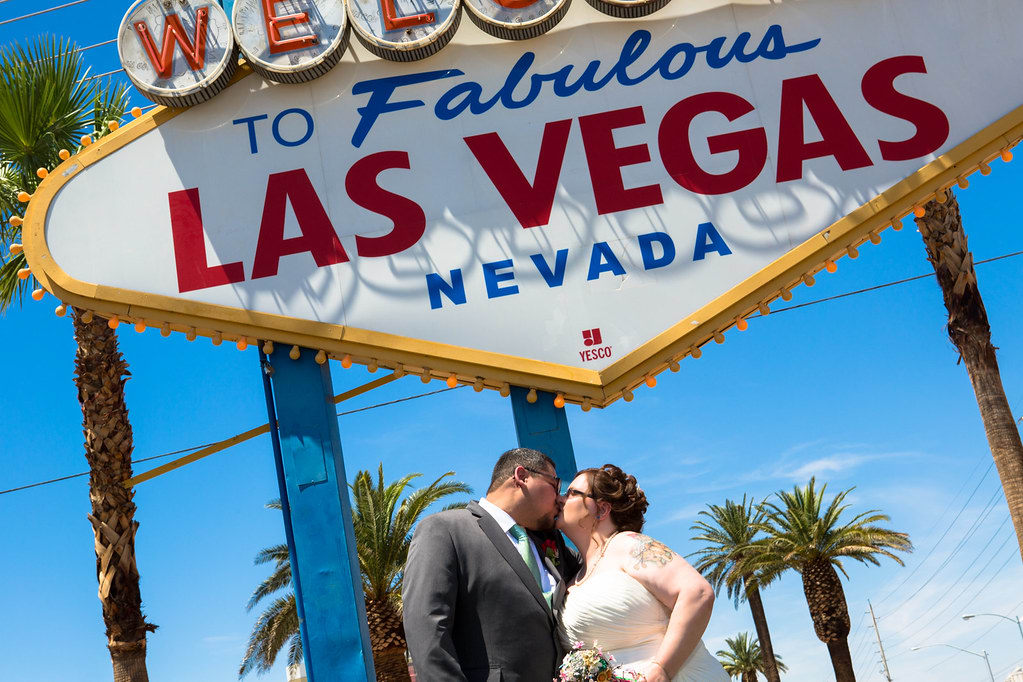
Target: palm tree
<point>383,524</point>
<point>804,535</point>
<point>728,532</point>
<point>743,658</point>
<point>942,230</point>
<point>45,106</point>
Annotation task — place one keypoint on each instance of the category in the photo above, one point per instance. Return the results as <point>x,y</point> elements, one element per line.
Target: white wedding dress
<point>627,621</point>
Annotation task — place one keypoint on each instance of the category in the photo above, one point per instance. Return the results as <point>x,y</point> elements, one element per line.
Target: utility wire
<point>955,550</point>
<point>876,287</point>
<point>979,637</point>
<point>1013,552</point>
<point>966,586</point>
<point>199,447</point>
<point>801,305</point>
<point>44,11</point>
<point>100,75</point>
<point>938,541</point>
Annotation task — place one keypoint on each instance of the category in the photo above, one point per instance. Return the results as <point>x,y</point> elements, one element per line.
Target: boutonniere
<point>549,549</point>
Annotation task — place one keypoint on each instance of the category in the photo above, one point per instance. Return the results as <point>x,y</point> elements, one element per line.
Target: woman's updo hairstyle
<point>628,501</point>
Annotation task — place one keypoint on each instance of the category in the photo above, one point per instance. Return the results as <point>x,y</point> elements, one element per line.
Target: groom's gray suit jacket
<point>472,609</point>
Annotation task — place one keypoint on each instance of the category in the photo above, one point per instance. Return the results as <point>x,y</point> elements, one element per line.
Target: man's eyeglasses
<point>572,492</point>
<point>553,480</point>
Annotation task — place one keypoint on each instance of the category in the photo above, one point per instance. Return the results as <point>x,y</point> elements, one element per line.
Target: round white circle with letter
<point>177,52</point>
<point>291,41</point>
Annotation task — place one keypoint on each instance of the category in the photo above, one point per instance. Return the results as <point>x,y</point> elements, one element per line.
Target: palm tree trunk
<point>750,676</point>
<point>387,637</point>
<point>841,660</point>
<point>756,607</point>
<point>830,613</point>
<point>942,230</point>
<point>100,374</point>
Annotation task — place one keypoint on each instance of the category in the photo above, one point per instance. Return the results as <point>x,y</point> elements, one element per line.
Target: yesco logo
<point>592,337</point>
<point>185,52</point>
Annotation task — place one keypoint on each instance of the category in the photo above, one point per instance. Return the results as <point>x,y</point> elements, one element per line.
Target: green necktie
<point>525,548</point>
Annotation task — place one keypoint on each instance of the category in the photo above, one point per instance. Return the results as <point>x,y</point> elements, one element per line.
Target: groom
<point>483,585</point>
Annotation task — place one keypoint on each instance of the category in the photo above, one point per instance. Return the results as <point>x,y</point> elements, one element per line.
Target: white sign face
<point>564,200</point>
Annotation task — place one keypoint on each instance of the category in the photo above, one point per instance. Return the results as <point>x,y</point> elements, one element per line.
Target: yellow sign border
<point>484,369</point>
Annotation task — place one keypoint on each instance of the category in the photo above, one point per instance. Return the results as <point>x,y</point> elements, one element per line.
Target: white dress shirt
<point>505,521</point>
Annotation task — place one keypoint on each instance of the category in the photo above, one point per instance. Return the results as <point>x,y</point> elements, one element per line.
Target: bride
<point>636,598</point>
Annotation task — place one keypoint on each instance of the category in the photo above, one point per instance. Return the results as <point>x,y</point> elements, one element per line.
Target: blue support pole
<point>543,427</point>
<point>317,518</point>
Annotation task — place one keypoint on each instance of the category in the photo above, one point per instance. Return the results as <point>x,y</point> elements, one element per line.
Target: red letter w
<point>174,33</point>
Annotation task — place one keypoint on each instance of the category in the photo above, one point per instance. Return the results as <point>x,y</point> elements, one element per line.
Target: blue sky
<point>862,391</point>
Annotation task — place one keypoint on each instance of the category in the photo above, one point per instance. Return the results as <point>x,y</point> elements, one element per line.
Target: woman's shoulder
<point>637,551</point>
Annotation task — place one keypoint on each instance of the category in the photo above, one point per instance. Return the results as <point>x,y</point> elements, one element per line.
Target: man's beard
<point>546,522</point>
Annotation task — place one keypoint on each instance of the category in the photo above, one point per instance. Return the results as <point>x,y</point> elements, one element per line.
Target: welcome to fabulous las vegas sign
<point>568,199</point>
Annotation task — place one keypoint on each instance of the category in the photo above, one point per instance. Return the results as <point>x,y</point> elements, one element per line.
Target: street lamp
<point>998,615</point>
<point>982,654</point>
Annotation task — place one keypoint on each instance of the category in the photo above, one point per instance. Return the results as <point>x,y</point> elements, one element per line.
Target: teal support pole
<point>318,519</point>
<point>543,427</point>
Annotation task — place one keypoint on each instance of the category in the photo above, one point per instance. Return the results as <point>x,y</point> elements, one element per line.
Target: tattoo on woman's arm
<point>646,550</point>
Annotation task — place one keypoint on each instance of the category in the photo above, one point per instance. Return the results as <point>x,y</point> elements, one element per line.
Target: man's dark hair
<point>519,457</point>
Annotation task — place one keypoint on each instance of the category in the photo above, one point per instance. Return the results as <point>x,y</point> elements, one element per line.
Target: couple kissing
<point>492,592</point>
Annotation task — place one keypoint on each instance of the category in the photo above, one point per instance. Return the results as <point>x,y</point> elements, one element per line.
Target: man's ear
<point>520,475</point>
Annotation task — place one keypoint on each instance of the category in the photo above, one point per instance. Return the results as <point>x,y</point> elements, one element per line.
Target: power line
<point>421,395</point>
<point>100,75</point>
<point>977,639</point>
<point>199,447</point>
<point>878,286</point>
<point>43,11</point>
<point>966,586</point>
<point>938,542</point>
<point>955,550</point>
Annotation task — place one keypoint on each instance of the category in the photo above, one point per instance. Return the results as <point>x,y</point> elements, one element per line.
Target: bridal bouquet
<point>591,664</point>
